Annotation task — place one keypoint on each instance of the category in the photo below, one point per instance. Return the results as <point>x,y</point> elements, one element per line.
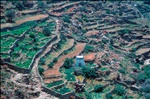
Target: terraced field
<point>115,46</point>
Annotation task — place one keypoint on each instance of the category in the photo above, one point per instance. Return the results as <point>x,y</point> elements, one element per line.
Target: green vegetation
<point>69,74</point>
<point>119,90</point>
<point>50,65</point>
<point>63,90</point>
<point>19,5</point>
<point>41,70</point>
<point>66,18</point>
<point>54,84</point>
<point>88,48</point>
<point>46,31</point>
<point>68,63</point>
<point>10,15</point>
<point>41,5</point>
<point>98,88</point>
<point>89,72</point>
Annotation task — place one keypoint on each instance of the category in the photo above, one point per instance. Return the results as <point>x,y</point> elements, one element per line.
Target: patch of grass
<point>69,74</point>
<point>63,90</point>
<point>54,84</point>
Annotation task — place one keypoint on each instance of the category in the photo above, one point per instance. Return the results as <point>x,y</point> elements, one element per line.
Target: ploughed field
<point>113,37</point>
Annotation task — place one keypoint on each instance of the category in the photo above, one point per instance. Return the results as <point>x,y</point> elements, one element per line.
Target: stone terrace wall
<point>40,52</point>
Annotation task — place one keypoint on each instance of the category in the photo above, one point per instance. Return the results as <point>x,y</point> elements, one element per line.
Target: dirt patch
<point>26,11</point>
<point>141,51</point>
<point>55,71</point>
<point>90,33</point>
<point>32,18</point>
<point>89,57</point>
<point>6,25</point>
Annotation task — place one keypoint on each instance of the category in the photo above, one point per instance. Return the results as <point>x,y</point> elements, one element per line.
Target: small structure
<point>80,61</point>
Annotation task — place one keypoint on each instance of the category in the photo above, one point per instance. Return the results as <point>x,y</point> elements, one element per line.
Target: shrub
<point>32,35</point>
<point>41,70</point>
<point>122,71</point>
<point>50,65</point>
<point>131,55</point>
<point>119,90</point>
<point>109,96</point>
<point>146,86</point>
<point>41,5</point>
<point>147,96</point>
<point>88,48</point>
<point>66,52</point>
<point>55,60</point>
<point>89,72</point>
<point>42,61</point>
<point>98,88</point>
<point>19,6</point>
<point>68,63</point>
<point>46,31</point>
<point>141,77</point>
<point>10,15</point>
<point>66,18</point>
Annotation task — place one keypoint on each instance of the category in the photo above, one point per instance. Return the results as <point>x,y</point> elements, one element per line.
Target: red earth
<point>55,70</point>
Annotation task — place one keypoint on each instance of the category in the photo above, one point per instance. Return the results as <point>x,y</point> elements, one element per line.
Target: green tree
<point>10,15</point>
<point>55,60</point>
<point>50,65</point>
<point>88,48</point>
<point>19,6</point>
<point>46,31</point>
<point>41,5</point>
<point>42,61</point>
<point>66,18</point>
<point>68,63</point>
<point>41,70</point>
<point>119,90</point>
<point>89,72</point>
<point>98,88</point>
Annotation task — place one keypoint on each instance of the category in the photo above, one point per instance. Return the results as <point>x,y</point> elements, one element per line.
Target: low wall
<point>18,69</point>
<point>40,52</point>
<point>60,96</point>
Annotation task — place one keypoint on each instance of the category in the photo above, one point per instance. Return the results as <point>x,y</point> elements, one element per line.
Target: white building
<point>80,61</point>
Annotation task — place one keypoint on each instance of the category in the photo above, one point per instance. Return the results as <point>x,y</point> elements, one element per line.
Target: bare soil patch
<point>32,18</point>
<point>89,57</point>
<point>55,71</point>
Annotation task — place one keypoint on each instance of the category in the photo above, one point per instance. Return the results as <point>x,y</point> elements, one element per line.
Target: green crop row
<point>54,84</point>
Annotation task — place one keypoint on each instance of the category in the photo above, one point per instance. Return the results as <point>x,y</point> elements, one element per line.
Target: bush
<point>50,65</point>
<point>89,72</point>
<point>98,88</point>
<point>19,6</point>
<point>66,52</point>
<point>68,63</point>
<point>42,61</point>
<point>66,18</point>
<point>119,90</point>
<point>41,70</point>
<point>88,48</point>
<point>109,96</point>
<point>141,77</point>
<point>32,35</point>
<point>10,15</point>
<point>41,5</point>
<point>146,86</point>
<point>55,60</point>
<point>46,31</point>
<point>147,96</point>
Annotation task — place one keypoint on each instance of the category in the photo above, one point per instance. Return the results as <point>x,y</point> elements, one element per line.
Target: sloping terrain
<point>42,39</point>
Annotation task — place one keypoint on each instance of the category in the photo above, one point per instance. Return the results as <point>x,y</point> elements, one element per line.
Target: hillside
<point>41,39</point>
